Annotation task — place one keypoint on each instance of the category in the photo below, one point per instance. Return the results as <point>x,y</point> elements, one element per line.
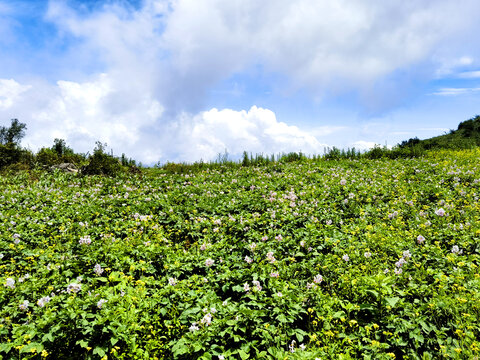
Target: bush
<point>46,157</point>
<point>100,163</point>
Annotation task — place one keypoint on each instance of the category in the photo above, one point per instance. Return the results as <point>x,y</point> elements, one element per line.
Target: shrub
<point>101,163</point>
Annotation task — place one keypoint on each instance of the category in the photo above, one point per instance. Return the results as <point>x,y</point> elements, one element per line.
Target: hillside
<point>338,259</point>
<point>466,136</point>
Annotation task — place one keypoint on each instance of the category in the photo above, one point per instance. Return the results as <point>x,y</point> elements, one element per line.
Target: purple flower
<point>24,305</point>
<point>100,303</point>
<point>98,269</point>
<point>440,212</point>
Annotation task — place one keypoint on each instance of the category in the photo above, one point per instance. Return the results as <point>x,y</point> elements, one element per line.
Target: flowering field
<point>308,260</point>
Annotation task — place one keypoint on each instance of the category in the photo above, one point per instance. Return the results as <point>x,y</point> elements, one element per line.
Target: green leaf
<point>392,301</point>
<point>5,347</point>
<point>243,354</point>
<point>82,343</point>
<point>99,351</point>
<point>48,336</point>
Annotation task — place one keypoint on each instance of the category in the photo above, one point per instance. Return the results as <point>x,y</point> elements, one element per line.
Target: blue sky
<point>184,80</point>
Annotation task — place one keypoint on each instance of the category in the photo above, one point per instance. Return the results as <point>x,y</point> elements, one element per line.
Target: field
<point>315,259</point>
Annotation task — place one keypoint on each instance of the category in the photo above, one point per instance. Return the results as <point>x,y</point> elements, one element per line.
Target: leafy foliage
<point>101,163</point>
<point>466,136</point>
<point>362,259</point>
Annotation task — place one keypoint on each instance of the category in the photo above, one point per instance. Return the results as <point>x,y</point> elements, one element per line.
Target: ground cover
<point>362,259</point>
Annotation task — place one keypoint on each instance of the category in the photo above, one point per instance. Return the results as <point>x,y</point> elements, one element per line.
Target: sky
<point>187,80</point>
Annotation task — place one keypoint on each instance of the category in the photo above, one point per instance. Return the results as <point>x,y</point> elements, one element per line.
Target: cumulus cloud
<point>257,131</point>
<point>83,113</point>
<point>364,145</point>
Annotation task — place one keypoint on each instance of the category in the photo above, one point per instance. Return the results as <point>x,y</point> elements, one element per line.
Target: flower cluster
<point>74,288</point>
<point>85,240</point>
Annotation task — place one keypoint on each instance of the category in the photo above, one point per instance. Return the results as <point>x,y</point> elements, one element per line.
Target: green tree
<point>12,134</point>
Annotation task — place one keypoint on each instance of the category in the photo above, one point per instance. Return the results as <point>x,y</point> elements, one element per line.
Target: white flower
<point>221,357</point>
<point>248,259</point>
<point>346,257</point>
<point>291,347</point>
<point>246,287</point>
<point>100,303</point>
<point>367,254</point>
<point>172,281</point>
<point>400,262</point>
<point>193,327</point>
<point>343,182</point>
<point>456,250</point>
<point>318,279</point>
<point>43,301</point>
<point>24,306</point>
<point>1,256</point>
<point>98,269</point>
<point>407,254</point>
<point>207,319</point>
<point>420,239</point>
<point>257,285</point>
<point>252,246</point>
<point>209,262</point>
<point>270,257</point>
<point>74,288</point>
<point>85,240</point>
<point>274,274</point>
<point>10,283</point>
<point>398,271</point>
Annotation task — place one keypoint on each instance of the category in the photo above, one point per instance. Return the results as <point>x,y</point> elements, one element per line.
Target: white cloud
<point>83,113</point>
<point>364,145</point>
<point>187,46</point>
<point>10,90</point>
<point>455,91</point>
<point>141,76</point>
<point>470,75</point>
<point>257,130</point>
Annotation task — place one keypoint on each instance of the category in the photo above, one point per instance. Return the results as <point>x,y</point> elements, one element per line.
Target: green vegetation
<point>348,255</point>
<point>14,158</point>
<point>352,259</point>
<point>466,136</point>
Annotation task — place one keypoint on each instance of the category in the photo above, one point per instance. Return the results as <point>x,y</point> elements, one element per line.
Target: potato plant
<point>315,259</point>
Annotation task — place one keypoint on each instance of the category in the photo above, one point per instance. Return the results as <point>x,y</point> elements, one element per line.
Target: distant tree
<point>101,163</point>
<point>59,146</point>
<point>12,134</point>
